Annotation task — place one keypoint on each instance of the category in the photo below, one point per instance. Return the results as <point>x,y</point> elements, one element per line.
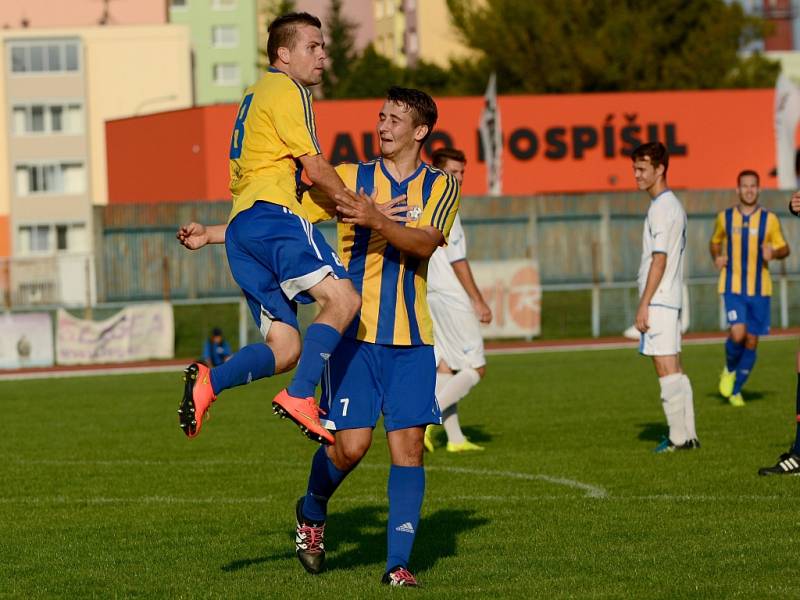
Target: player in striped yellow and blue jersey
<point>275,255</point>
<point>385,362</point>
<point>746,237</point>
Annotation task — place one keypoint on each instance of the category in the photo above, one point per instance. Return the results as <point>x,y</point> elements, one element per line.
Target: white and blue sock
<point>323,481</point>
<point>744,368</point>
<point>406,490</point>
<point>318,344</point>
<point>252,362</point>
<point>733,352</point>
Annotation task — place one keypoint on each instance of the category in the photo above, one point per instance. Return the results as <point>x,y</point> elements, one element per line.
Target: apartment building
<point>58,88</point>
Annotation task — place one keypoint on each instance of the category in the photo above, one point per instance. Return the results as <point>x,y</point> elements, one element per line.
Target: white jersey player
<point>658,317</point>
<point>457,309</point>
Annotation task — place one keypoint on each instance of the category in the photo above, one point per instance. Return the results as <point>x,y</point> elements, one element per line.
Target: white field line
<point>434,499</point>
<point>590,491</point>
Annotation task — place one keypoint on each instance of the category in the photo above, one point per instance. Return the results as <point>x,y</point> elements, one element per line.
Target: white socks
<point>449,390</point>
<point>456,388</point>
<point>688,408</point>
<point>673,399</point>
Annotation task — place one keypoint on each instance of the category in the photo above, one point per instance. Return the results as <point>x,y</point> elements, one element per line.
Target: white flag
<point>492,139</point>
<point>787,115</point>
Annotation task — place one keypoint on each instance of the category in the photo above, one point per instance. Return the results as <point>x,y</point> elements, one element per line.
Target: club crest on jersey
<point>414,213</point>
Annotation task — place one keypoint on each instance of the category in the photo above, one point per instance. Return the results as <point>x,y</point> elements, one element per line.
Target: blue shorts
<point>752,311</point>
<point>275,256</point>
<point>364,380</point>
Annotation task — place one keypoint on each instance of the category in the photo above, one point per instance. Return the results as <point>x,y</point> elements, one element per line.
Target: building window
<point>62,119</point>
<point>44,57</point>
<point>225,36</point>
<point>227,74</point>
<point>223,4</point>
<point>67,178</point>
<point>48,238</point>
<point>179,4</point>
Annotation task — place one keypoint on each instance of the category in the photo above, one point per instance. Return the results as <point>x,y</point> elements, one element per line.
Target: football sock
<point>452,426</point>
<point>458,387</point>
<point>744,368</point>
<point>733,352</point>
<point>252,362</point>
<point>441,381</point>
<point>796,448</point>
<point>672,399</point>
<point>688,408</point>
<point>322,483</point>
<point>406,490</point>
<point>319,343</point>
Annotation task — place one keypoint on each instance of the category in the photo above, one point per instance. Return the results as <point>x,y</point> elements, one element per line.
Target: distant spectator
<point>216,350</point>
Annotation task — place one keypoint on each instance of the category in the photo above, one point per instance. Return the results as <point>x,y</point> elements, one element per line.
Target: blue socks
<point>406,489</point>
<point>318,344</point>
<point>733,352</point>
<point>744,368</point>
<point>252,362</point>
<point>796,448</point>
<point>322,482</point>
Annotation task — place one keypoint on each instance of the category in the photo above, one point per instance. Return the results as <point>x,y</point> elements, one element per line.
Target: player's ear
<point>420,132</point>
<point>284,54</point>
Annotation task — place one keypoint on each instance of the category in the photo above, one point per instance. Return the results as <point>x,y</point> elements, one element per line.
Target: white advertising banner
<point>513,291</point>
<point>139,332</point>
<point>26,340</point>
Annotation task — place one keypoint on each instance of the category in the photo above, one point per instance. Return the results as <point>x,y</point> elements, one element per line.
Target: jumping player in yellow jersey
<point>385,362</point>
<point>746,237</point>
<point>274,253</point>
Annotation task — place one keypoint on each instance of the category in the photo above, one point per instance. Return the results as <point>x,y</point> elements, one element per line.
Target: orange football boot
<point>305,413</point>
<point>197,398</point>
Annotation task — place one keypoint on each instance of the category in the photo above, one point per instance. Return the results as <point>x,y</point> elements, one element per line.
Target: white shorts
<point>457,336</point>
<point>664,336</point>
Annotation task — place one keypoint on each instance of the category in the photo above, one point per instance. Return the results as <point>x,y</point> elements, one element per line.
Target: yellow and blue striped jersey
<point>747,272</point>
<point>274,127</point>
<point>393,286</point>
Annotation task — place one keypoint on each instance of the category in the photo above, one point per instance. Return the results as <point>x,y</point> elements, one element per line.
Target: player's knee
<point>481,371</point>
<point>341,299</point>
<point>751,342</point>
<point>738,335</point>
<point>284,341</point>
<point>350,453</point>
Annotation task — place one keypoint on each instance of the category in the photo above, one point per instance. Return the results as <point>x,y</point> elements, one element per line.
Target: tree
<point>369,76</point>
<point>341,49</point>
<point>610,45</point>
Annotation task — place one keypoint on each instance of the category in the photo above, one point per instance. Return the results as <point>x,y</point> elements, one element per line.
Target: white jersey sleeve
<point>456,248</point>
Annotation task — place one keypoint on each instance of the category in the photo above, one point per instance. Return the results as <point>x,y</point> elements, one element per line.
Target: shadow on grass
<point>361,532</point>
<point>474,433</point>
<point>653,432</point>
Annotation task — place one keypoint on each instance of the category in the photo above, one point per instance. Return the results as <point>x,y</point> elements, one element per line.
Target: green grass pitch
<point>103,496</point>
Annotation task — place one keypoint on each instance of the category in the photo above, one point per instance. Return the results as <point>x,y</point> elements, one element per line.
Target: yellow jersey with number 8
<point>274,128</point>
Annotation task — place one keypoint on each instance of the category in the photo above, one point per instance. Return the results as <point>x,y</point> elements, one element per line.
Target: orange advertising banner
<point>582,142</point>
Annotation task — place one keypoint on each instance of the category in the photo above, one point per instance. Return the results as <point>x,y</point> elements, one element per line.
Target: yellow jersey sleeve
<point>719,234</point>
<point>293,119</point>
<point>318,205</point>
<point>442,207</point>
<point>774,234</point>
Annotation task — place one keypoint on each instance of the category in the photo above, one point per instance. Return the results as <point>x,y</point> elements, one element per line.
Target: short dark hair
<point>283,30</point>
<point>746,173</point>
<point>655,151</point>
<point>422,107</point>
<point>440,156</point>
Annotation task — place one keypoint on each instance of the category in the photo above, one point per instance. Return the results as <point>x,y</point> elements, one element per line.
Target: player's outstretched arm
<point>322,175</point>
<point>362,209</point>
<point>196,235</point>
